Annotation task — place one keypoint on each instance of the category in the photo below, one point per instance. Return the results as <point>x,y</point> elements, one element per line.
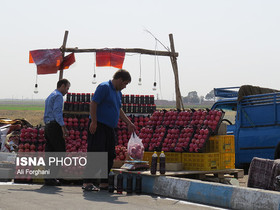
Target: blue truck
<point>254,120</point>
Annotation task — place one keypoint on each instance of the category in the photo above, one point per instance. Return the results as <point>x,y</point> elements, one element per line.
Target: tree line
<point>193,97</point>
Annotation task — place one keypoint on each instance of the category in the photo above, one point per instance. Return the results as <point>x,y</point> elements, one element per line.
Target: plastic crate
<point>170,157</point>
<point>201,161</point>
<point>173,157</point>
<point>148,156</point>
<point>221,143</point>
<point>227,160</point>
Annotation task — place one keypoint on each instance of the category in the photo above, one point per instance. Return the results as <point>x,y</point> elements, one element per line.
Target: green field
<point>22,107</point>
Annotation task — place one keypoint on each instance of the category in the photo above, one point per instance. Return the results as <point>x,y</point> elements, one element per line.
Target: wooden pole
<point>63,52</point>
<point>132,50</point>
<point>179,102</point>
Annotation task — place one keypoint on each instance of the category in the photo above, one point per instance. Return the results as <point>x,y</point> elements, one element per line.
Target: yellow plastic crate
<point>148,156</point>
<point>173,157</point>
<point>221,143</point>
<point>227,160</point>
<point>170,157</point>
<point>201,161</point>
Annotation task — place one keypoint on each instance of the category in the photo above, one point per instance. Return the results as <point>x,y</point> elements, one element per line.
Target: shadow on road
<point>44,189</point>
<point>103,196</point>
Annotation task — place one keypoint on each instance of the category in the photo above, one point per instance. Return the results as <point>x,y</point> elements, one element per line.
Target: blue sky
<point>220,43</point>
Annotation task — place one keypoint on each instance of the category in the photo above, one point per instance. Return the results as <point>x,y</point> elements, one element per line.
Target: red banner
<point>50,61</point>
<point>113,58</point>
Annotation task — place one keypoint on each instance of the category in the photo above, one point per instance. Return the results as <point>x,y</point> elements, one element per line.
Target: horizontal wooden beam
<point>132,50</point>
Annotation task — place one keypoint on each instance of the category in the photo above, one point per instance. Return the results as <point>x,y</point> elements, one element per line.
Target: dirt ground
<point>33,117</point>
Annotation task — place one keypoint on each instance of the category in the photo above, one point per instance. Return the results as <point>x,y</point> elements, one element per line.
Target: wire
<point>94,70</point>
<point>167,48</point>
<point>155,61</point>
<point>36,78</point>
<point>159,82</point>
<point>94,63</point>
<point>140,66</point>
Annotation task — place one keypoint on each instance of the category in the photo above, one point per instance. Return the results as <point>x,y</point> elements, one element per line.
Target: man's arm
<point>58,114</point>
<point>130,125</point>
<point>92,111</point>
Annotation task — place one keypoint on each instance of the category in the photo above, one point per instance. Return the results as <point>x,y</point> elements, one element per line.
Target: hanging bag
<point>135,148</point>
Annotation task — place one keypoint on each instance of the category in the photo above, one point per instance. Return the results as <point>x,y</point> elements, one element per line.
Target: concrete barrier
<point>216,194</point>
<point>209,193</point>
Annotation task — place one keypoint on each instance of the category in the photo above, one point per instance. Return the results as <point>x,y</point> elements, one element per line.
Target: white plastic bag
<point>135,148</point>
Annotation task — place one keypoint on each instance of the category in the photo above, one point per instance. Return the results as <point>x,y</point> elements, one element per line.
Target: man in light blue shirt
<point>55,130</point>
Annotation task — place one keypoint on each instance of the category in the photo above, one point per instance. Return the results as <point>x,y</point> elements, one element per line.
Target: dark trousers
<point>54,136</point>
<point>54,141</point>
<point>103,140</point>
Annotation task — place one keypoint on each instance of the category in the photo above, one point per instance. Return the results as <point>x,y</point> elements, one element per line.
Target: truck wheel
<point>277,152</point>
<point>226,120</point>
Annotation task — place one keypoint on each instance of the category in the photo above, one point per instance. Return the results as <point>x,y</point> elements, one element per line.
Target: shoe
<point>52,182</point>
<point>90,187</point>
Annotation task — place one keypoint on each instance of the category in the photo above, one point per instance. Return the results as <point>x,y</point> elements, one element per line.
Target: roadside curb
<point>216,194</point>
<point>209,193</point>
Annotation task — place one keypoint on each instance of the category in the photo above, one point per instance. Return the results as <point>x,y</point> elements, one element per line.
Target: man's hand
<point>64,132</point>
<point>93,126</point>
<point>131,127</point>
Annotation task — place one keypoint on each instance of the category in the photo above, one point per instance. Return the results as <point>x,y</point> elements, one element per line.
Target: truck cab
<point>252,115</point>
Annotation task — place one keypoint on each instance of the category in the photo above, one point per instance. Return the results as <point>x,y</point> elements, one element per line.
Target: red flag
<point>47,61</point>
<point>68,61</point>
<point>113,58</point>
<point>50,61</point>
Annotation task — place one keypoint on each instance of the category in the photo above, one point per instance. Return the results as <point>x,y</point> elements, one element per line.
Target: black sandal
<point>90,187</point>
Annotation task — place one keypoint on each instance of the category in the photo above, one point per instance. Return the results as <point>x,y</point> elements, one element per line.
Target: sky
<point>221,43</point>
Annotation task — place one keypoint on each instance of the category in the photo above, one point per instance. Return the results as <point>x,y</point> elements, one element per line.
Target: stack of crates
<point>201,161</point>
<point>170,157</point>
<point>219,154</point>
<point>224,145</point>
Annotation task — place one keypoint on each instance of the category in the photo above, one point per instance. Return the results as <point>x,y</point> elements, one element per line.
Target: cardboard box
<point>6,173</point>
<point>118,163</point>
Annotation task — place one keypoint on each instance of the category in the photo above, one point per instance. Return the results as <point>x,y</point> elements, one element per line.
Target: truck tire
<point>277,152</point>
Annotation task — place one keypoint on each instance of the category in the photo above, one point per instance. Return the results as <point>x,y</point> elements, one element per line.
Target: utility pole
<point>63,53</point>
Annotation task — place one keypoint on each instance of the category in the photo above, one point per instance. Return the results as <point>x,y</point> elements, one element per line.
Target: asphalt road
<point>23,196</point>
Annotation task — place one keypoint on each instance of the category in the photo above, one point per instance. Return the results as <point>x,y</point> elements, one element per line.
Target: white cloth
<point>3,133</point>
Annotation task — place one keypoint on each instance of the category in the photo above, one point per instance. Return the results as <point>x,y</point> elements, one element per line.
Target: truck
<point>252,115</point>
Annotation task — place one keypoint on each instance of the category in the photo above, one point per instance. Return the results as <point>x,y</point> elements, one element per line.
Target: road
<point>23,196</point>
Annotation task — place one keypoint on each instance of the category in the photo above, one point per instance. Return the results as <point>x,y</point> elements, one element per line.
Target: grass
<point>32,111</point>
<point>22,107</point>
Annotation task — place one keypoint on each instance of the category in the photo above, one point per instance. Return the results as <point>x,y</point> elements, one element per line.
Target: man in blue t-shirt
<point>105,111</point>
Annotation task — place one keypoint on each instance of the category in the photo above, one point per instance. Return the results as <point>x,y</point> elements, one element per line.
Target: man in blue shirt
<point>105,111</point>
<point>55,130</point>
